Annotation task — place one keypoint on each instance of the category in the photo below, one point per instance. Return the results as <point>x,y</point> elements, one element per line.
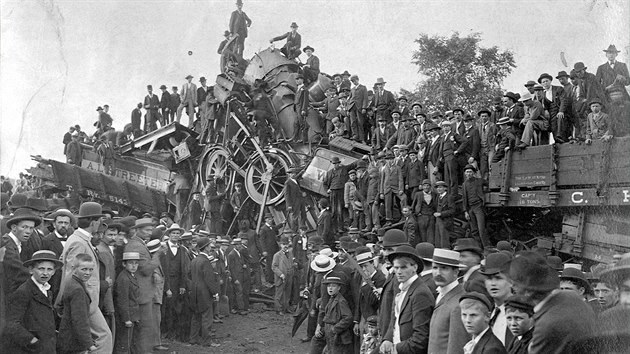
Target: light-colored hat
<point>154,245</point>
<point>364,255</point>
<point>173,228</point>
<point>142,223</point>
<point>526,96</point>
<point>322,263</point>
<point>446,257</point>
<point>131,256</point>
<point>44,255</point>
<point>328,252</point>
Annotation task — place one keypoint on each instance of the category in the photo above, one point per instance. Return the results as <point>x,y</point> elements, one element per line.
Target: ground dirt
<point>261,331</point>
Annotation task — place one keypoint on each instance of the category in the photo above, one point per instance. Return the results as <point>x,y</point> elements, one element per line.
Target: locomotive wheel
<point>217,162</point>
<point>259,176</point>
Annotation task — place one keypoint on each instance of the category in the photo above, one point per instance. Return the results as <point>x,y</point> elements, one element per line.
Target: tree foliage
<point>460,73</point>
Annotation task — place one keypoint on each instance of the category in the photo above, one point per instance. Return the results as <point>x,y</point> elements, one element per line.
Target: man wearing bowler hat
<point>311,68</point>
<point>473,202</point>
<point>294,197</point>
<point>446,332</point>
<point>283,266</point>
<point>358,104</point>
<point>383,102</point>
<point>444,211</point>
<point>562,318</point>
<point>514,112</point>
<point>291,49</point>
<point>408,331</point>
<point>188,100</point>
<point>269,242</point>
<point>165,105</point>
<point>590,87</point>
<point>239,21</point>
<point>89,221</point>
<point>613,71</point>
<point>152,105</point>
<point>499,287</point>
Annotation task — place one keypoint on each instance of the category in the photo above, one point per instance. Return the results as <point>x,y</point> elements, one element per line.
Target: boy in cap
<point>283,266</point>
<point>126,303</point>
<point>337,316</point>
<point>598,125</point>
<point>30,320</point>
<point>371,338</point>
<point>475,309</point>
<point>520,320</point>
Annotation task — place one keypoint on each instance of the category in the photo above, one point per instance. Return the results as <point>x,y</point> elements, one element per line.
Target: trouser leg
<point>101,333</point>
<point>478,214</point>
<point>277,298</point>
<point>389,196</point>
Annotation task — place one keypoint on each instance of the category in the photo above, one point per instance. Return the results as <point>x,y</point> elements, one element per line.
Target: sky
<point>59,60</point>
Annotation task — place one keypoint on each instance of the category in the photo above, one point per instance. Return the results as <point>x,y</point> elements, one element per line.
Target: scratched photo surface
<point>62,59</point>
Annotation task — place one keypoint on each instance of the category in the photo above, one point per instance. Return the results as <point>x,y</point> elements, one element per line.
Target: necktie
<point>495,314</point>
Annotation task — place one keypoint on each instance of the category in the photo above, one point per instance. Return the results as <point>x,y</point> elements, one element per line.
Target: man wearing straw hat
<point>89,221</point>
<point>447,333</point>
<point>30,325</point>
<point>368,297</point>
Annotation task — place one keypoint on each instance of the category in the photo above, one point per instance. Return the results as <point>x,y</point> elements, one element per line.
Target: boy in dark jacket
<point>126,302</point>
<point>338,317</point>
<point>74,329</point>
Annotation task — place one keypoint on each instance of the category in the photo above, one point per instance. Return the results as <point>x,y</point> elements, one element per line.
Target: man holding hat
<point>291,49</point>
<point>311,68</point>
<point>283,266</point>
<point>562,318</point>
<point>152,105</point>
<point>79,243</point>
<point>408,331</point>
<point>188,100</point>
<point>383,102</point>
<point>446,332</point>
<point>30,320</point>
<point>613,71</point>
<point>204,292</point>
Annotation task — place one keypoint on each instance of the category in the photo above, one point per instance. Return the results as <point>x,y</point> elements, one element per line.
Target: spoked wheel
<point>217,162</point>
<point>260,176</point>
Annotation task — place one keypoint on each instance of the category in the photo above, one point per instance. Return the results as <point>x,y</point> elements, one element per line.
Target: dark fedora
<point>17,201</point>
<point>406,251</point>
<point>555,262</point>
<point>467,243</point>
<point>90,210</point>
<point>530,271</point>
<point>484,110</point>
<point>23,214</point>
<point>512,96</point>
<point>543,76</point>
<point>345,73</point>
<point>474,295</point>
<point>44,255</point>
<point>308,47</point>
<point>611,48</point>
<point>579,66</point>
<point>496,263</point>
<point>468,117</point>
<point>562,74</point>
<point>202,242</point>
<point>162,87</point>
<point>576,275</point>
<point>37,204</point>
<point>294,25</point>
<point>394,238</point>
<point>226,34</point>
<point>529,83</point>
<point>425,250</point>
<point>335,160</point>
<point>431,126</point>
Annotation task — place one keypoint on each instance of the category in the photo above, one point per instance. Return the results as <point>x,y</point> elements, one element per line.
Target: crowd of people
<point>101,283</point>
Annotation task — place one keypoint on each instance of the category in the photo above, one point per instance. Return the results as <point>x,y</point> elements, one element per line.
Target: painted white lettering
<point>576,197</point>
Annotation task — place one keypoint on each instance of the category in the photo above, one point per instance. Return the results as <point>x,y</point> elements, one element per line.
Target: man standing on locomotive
<point>239,21</point>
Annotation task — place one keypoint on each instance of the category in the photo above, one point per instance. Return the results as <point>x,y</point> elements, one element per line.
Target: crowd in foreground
<point>102,284</point>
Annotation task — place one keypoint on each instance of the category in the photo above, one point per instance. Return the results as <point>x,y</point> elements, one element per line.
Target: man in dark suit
<point>165,105</point>
<point>383,103</point>
<point>613,71</point>
<point>514,112</point>
<point>424,205</point>
<point>412,310</point>
<point>358,104</point>
<point>269,242</point>
<point>447,333</point>
<point>22,225</point>
<point>555,102</point>
<point>202,91</point>
<point>562,318</point>
<point>475,308</point>
<point>458,125</point>
<point>30,322</point>
<point>67,138</point>
<point>392,239</point>
<point>469,150</point>
<point>473,202</point>
<point>175,100</point>
<point>311,68</point>
<point>487,141</point>
<point>432,156</point>
<point>450,143</point>
<point>204,291</point>
<point>239,271</point>
<point>392,187</point>
<point>136,121</point>
<point>151,104</point>
<point>424,250</point>
<point>63,220</point>
<point>291,49</point>
<point>175,264</point>
<point>381,134</point>
<point>301,106</point>
<point>239,21</point>
<point>294,197</point>
<point>410,226</point>
<point>324,222</point>
<point>444,212</point>
<point>368,296</point>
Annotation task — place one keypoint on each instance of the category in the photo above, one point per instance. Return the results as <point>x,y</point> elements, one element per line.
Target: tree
<point>460,73</point>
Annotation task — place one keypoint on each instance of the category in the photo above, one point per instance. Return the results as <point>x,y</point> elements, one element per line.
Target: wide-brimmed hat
<point>431,126</point>
<point>511,95</point>
<point>446,257</point>
<point>576,275</point>
<point>425,250</point>
<point>475,295</point>
<point>174,227</point>
<point>322,263</point>
<point>467,243</point>
<point>90,210</point>
<point>394,238</point>
<point>543,76</point>
<point>328,252</point>
<point>503,120</point>
<point>530,83</point>
<point>363,255</point>
<point>611,48</point>
<point>579,66</point>
<point>380,81</point>
<point>23,214</point>
<point>131,256</point>
<point>44,255</point>
<point>17,200</point>
<point>484,110</point>
<point>562,74</point>
<point>406,251</point>
<point>526,96</point>
<point>335,277</point>
<point>346,73</point>
<point>189,77</point>
<point>496,263</point>
<point>154,245</point>
<point>142,223</point>
<point>530,271</point>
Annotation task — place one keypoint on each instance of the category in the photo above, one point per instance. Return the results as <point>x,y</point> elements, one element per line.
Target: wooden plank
<point>566,197</point>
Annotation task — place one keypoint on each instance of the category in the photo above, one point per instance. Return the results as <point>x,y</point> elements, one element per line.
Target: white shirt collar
<point>476,338</point>
<point>405,286</point>
<point>59,236</point>
<point>16,240</point>
<point>470,271</point>
<point>425,272</point>
<point>42,287</point>
<point>443,290</point>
